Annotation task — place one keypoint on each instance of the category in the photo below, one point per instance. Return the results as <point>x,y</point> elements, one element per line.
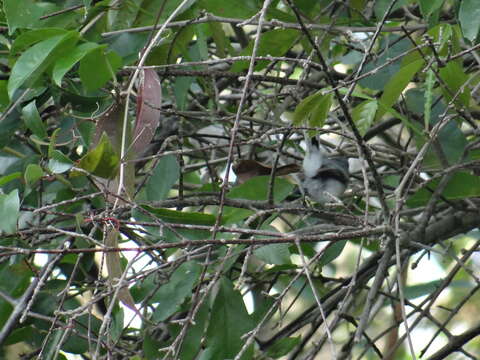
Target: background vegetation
<point>120,125</point>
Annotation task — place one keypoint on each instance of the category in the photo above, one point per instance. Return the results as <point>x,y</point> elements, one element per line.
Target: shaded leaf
<point>171,295</point>
<point>181,217</point>
<point>25,40</point>
<point>97,67</point>
<point>283,346</point>
<point>32,120</point>
<point>415,291</point>
<point>9,211</point>
<point>228,323</point>
<point>461,185</point>
<point>427,7</point>
<point>10,177</point>
<point>242,9</point>
<point>331,253</point>
<point>66,62</point>
<point>163,177</point>
<point>21,14</point>
<point>469,16</point>
<point>397,84</point>
<point>456,79</point>
<point>36,59</point>
<point>273,43</point>
<point>277,254</point>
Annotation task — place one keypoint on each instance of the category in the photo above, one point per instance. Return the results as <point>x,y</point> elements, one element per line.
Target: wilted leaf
<point>112,259</point>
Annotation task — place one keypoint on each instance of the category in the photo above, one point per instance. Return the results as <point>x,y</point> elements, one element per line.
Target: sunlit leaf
<point>364,114</point>
<point>101,161</point>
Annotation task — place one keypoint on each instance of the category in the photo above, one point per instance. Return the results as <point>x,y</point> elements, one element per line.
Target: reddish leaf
<point>149,100</point>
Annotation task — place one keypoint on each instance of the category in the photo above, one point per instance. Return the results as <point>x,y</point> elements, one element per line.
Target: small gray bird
<point>325,178</point>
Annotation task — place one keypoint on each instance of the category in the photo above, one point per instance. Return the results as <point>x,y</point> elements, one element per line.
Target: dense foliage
<point>149,169</point>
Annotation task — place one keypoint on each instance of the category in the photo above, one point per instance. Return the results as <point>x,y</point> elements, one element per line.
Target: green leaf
<point>32,120</point>
<point>313,110</point>
<point>181,217</point>
<point>469,17</point>
<point>242,9</point>
<point>320,111</point>
<point>429,84</point>
<point>21,14</point>
<point>456,79</point>
<point>397,84</point>
<point>9,211</point>
<point>58,162</point>
<point>101,161</point>
<point>33,173</point>
<point>331,253</point>
<point>256,188</point>
<point>10,177</point>
<point>33,62</point>
<point>274,43</point>
<point>415,291</point>
<point>228,323</point>
<point>277,254</point>
<point>163,177</point>
<point>171,295</point>
<point>283,346</point>
<point>428,7</point>
<point>462,185</point>
<point>381,7</point>
<point>27,39</point>
<point>66,62</point>
<point>363,115</point>
<point>193,340</point>
<point>97,67</point>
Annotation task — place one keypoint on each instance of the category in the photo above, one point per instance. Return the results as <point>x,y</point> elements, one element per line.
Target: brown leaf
<point>114,269</point>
